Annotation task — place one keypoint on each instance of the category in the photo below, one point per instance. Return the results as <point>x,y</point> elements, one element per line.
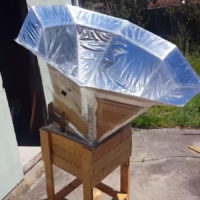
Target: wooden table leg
<point>46,153</point>
<point>87,190</point>
<point>125,178</point>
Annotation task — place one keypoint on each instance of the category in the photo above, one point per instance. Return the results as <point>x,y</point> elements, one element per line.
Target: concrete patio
<point>162,168</point>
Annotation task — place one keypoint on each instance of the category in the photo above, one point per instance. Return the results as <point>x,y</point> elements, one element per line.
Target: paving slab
<point>28,153</point>
<point>164,143</point>
<point>162,168</point>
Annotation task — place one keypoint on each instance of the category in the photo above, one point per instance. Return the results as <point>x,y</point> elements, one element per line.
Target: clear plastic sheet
<point>101,51</point>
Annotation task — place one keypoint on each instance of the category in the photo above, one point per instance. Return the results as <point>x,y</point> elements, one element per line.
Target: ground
<point>162,168</point>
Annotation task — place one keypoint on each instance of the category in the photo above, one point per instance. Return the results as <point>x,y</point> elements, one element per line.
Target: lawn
<point>169,116</point>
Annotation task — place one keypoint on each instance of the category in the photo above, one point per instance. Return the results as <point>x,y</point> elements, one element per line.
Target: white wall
<point>11,172</point>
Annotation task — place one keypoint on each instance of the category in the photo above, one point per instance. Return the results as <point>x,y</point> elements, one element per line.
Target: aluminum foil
<point>101,51</point>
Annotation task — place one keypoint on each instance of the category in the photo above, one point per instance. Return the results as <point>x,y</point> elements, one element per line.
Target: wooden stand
<point>89,165</point>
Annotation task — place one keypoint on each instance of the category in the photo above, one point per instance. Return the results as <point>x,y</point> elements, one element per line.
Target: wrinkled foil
<point>101,51</point>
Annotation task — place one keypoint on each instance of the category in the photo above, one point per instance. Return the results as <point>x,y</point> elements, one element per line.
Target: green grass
<point>169,116</point>
<point>195,63</point>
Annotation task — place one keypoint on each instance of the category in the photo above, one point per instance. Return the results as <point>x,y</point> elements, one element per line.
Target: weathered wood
<point>111,143</point>
<point>107,189</point>
<point>58,118</point>
<point>92,111</point>
<point>46,154</point>
<point>87,189</point>
<point>67,155</point>
<point>66,89</point>
<point>71,115</point>
<point>111,114</point>
<point>33,110</point>
<point>125,178</point>
<point>111,165</point>
<point>194,149</point>
<point>89,164</point>
<point>68,144</point>
<point>122,196</point>
<point>65,165</point>
<point>98,194</point>
<point>67,98</point>
<point>68,189</point>
<point>110,155</point>
<point>111,192</point>
<point>123,98</point>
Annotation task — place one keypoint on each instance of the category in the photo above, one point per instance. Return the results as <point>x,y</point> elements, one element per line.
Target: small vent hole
<point>64,93</point>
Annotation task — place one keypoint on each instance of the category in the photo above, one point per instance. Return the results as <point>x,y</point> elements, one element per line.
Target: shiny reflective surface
<point>101,51</point>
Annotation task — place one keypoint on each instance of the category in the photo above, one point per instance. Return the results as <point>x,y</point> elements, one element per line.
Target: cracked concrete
<point>162,168</point>
<point>163,143</point>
